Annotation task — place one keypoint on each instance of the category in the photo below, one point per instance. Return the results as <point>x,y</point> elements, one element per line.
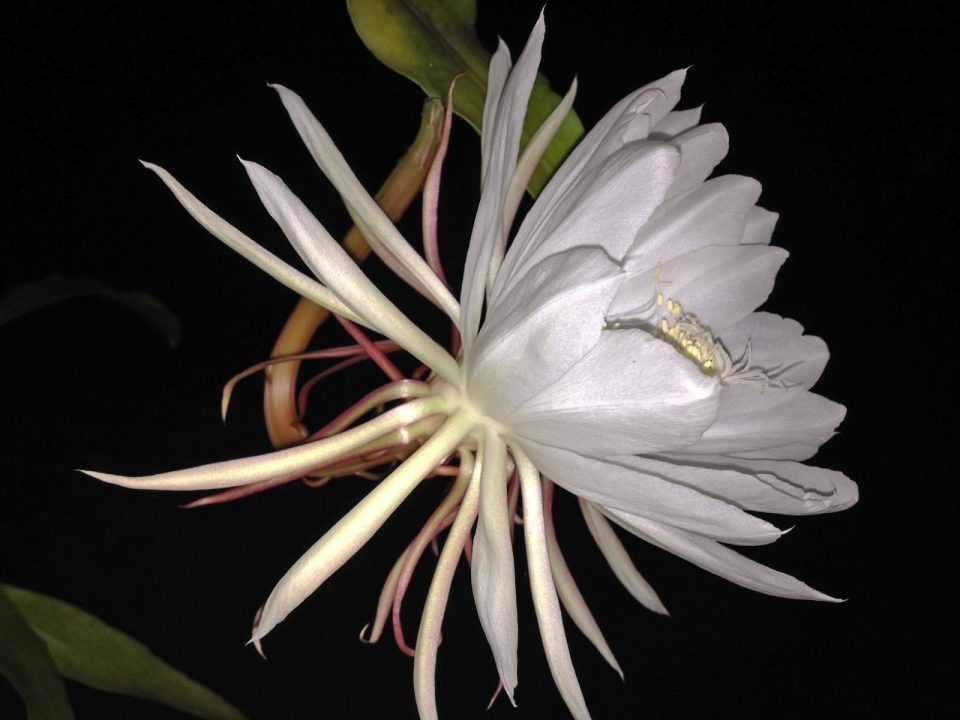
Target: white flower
<point>620,356</point>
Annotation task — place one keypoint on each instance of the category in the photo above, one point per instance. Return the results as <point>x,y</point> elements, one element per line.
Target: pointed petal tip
<point>256,635</point>
<point>225,403</point>
<point>814,594</point>
<point>105,477</point>
<point>257,172</point>
<point>258,646</point>
<point>612,661</point>
<point>286,94</point>
<point>679,75</point>
<point>364,632</point>
<point>153,167</point>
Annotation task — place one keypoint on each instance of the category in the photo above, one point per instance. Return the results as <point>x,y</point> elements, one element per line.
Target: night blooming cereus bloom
<point>619,356</point>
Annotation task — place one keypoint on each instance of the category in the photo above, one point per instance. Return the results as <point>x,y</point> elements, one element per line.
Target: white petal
<point>604,207</point>
<point>701,150</point>
<point>535,334</point>
<point>544,593</point>
<point>525,167</point>
<point>631,394</point>
<point>778,346</point>
<point>376,227</point>
<point>266,261</point>
<point>754,485</point>
<point>816,489</point>
<point>570,596</point>
<point>494,582</point>
<point>804,418</point>
<point>830,489</point>
<point>798,451</point>
<point>676,122</point>
<point>615,202</point>
<point>289,463</point>
<point>628,121</point>
<point>746,398</point>
<point>331,263</point>
<point>715,558</point>
<point>619,560</point>
<point>500,66</point>
<point>488,227</point>
<point>621,485</point>
<point>353,530</point>
<point>721,284</point>
<point>713,213</point>
<point>760,224</point>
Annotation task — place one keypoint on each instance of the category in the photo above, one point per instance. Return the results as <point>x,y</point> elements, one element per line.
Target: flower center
<point>665,319</point>
<point>690,338</point>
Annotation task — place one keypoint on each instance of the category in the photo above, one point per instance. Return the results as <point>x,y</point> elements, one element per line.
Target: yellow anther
<point>690,338</point>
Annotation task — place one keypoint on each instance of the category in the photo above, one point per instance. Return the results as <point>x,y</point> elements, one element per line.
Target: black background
<point>845,112</point>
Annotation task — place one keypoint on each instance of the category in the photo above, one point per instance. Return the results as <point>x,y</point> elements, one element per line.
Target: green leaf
<point>433,41</point>
<point>52,289</point>
<point>87,650</point>
<point>25,662</point>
